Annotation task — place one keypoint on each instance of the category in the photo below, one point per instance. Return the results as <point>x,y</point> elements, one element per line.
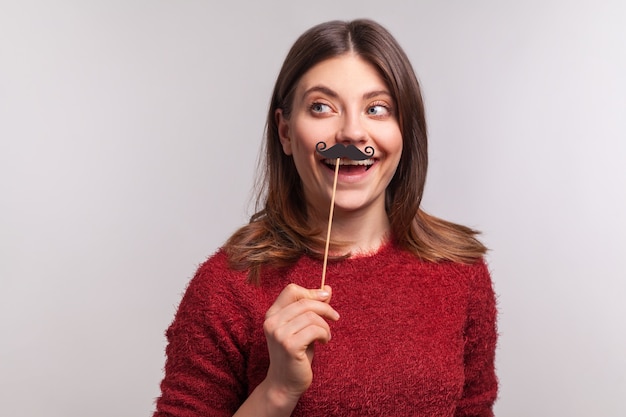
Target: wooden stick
<point>330,223</point>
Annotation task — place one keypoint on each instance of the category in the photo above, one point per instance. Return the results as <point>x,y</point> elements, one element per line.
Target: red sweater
<point>414,339</point>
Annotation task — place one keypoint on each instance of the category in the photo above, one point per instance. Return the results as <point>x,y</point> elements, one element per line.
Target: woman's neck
<point>363,231</point>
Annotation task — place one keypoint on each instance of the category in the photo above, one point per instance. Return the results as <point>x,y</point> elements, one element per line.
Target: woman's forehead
<point>345,73</point>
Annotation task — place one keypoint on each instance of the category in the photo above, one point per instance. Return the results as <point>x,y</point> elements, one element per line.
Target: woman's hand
<point>292,324</point>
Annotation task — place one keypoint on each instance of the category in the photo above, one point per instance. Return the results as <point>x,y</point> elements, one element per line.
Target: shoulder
<point>476,269</point>
<point>406,265</point>
<point>216,287</point>
<point>468,277</point>
<point>474,276</point>
<point>215,272</point>
<point>217,268</point>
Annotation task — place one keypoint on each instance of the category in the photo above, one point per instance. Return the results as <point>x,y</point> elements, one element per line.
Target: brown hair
<point>278,233</point>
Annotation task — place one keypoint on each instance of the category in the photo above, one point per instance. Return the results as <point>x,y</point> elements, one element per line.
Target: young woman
<point>412,315</point>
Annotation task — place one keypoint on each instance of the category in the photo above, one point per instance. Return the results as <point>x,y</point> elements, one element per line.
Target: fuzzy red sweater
<point>414,339</point>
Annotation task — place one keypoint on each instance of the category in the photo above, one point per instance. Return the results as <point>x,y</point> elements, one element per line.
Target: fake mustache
<point>339,150</point>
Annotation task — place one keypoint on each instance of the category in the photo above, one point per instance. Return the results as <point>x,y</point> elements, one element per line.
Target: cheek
<point>397,141</point>
<point>310,131</point>
<point>392,141</point>
<point>394,146</point>
<point>303,147</point>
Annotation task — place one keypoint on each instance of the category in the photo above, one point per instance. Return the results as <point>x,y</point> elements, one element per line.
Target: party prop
<point>337,152</point>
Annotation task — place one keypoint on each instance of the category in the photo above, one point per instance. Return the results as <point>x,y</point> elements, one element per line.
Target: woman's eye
<point>320,108</point>
<point>378,110</point>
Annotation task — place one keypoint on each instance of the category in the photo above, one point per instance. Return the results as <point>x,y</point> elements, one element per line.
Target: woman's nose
<point>351,128</point>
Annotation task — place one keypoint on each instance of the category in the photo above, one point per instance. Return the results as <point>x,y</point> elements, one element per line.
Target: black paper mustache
<point>339,150</point>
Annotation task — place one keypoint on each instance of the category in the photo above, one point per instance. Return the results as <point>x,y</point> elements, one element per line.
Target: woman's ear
<point>283,131</point>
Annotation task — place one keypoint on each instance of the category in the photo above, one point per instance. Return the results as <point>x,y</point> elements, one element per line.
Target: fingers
<point>300,331</point>
<point>298,308</point>
<point>293,293</point>
<point>296,320</point>
<point>303,306</point>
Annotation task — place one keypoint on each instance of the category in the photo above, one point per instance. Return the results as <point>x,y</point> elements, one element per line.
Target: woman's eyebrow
<point>321,89</point>
<point>376,93</point>
<point>331,93</point>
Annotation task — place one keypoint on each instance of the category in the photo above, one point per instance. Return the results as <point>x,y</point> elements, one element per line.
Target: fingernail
<point>323,294</point>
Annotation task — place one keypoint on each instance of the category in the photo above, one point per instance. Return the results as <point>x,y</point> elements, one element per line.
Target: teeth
<point>333,162</point>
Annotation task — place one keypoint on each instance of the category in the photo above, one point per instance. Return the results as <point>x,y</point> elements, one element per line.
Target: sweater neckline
<point>362,256</point>
<point>385,249</point>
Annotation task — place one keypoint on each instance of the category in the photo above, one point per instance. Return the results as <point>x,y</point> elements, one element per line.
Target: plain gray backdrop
<point>129,133</point>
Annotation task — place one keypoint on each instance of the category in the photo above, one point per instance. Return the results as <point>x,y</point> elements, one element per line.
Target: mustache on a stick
<point>339,150</point>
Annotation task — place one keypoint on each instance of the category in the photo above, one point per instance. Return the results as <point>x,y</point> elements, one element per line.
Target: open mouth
<point>349,165</point>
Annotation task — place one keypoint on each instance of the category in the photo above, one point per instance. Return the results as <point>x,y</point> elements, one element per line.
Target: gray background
<point>129,133</point>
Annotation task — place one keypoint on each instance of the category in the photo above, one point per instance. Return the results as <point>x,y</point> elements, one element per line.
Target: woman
<point>416,335</point>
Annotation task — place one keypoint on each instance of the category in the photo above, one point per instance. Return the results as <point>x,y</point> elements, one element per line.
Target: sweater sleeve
<point>205,366</point>
<point>481,385</point>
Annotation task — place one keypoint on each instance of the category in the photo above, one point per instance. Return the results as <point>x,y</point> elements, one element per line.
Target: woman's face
<point>343,100</point>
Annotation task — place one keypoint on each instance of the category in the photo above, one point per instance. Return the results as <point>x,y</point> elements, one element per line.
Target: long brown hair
<point>278,233</point>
